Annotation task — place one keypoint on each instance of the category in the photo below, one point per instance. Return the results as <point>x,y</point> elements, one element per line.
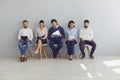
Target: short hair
<point>86,21</point>
<point>25,21</point>
<point>54,20</point>
<point>41,21</point>
<point>71,21</point>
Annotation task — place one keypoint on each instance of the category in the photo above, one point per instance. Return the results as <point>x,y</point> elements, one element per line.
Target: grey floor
<point>100,68</point>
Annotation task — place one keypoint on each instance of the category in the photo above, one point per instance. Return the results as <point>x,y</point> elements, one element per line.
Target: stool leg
<point>88,50</point>
<point>40,56</point>
<point>60,54</point>
<point>51,54</point>
<point>29,54</point>
<point>36,56</point>
<point>75,55</point>
<point>66,55</point>
<point>45,52</point>
<point>80,54</point>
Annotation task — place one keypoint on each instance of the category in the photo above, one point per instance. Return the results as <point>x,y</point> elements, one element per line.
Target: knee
<point>19,44</point>
<point>80,44</point>
<point>94,44</point>
<point>39,42</point>
<point>28,44</point>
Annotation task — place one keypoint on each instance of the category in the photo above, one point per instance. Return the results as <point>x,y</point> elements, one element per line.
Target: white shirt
<point>41,32</point>
<point>25,32</point>
<point>86,33</point>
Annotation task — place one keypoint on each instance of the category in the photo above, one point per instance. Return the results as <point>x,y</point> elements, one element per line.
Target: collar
<point>56,27</point>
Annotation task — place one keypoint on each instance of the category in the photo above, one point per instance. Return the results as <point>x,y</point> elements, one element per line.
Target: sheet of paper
<point>56,33</point>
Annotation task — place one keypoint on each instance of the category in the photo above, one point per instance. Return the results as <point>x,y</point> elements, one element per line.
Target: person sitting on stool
<point>55,35</point>
<point>25,37</point>
<point>86,37</point>
<point>71,38</point>
<point>41,36</point>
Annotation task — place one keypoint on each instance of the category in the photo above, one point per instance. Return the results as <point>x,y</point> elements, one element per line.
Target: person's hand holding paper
<point>56,33</point>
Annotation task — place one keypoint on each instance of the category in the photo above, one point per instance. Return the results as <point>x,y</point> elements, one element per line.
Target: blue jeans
<point>24,50</point>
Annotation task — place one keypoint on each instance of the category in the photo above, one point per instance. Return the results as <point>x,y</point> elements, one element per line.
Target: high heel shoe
<point>35,52</point>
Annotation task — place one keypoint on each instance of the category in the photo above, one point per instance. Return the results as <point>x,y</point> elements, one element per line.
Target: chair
<point>44,51</point>
<point>88,50</point>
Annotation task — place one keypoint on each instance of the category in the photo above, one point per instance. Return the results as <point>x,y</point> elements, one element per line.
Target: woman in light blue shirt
<point>71,38</point>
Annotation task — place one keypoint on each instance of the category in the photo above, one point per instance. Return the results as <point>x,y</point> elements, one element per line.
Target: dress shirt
<point>41,32</point>
<point>86,33</point>
<point>25,32</point>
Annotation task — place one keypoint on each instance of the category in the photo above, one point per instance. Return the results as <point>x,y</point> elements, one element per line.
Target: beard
<point>86,26</point>
<point>25,26</point>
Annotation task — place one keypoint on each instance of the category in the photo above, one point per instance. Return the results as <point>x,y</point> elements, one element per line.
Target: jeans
<point>24,47</point>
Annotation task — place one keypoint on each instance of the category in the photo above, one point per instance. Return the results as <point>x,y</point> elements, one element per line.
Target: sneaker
<point>82,57</point>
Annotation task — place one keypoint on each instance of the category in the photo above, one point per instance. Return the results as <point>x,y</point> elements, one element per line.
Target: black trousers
<point>70,47</point>
<point>55,50</point>
<point>83,43</point>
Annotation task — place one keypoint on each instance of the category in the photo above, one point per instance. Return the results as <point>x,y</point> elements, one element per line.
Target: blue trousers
<point>54,49</point>
<point>24,50</point>
<point>70,47</point>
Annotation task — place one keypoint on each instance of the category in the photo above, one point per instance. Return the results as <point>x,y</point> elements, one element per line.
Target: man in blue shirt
<point>55,35</point>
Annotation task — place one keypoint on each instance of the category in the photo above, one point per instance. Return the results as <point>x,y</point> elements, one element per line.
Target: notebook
<point>24,38</point>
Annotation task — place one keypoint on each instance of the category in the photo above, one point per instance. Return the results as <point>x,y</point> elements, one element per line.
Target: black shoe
<point>91,57</point>
<point>82,57</point>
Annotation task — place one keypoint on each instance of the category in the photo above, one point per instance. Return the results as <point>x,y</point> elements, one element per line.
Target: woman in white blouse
<point>41,37</point>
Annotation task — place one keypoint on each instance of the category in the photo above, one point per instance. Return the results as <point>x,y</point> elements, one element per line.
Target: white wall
<point>104,16</point>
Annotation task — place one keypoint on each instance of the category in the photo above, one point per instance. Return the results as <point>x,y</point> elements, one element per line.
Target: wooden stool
<point>44,51</point>
<point>29,54</point>
<point>88,50</point>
